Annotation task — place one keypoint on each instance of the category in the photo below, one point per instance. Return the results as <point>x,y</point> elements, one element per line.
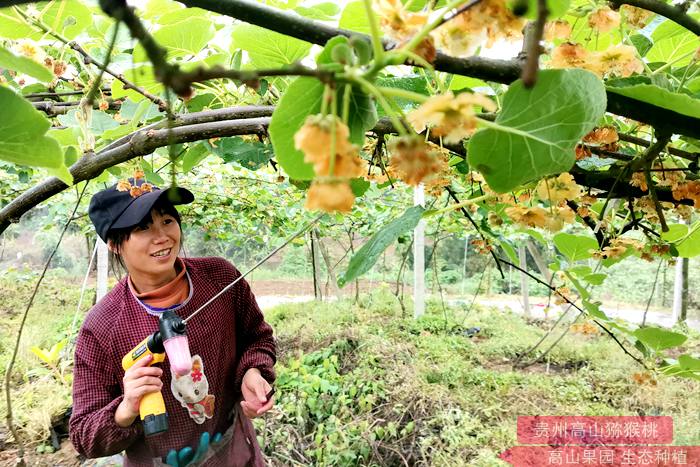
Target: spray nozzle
<point>172,333</point>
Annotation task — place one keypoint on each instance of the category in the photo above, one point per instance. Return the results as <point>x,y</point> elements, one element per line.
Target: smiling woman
<point>233,352</point>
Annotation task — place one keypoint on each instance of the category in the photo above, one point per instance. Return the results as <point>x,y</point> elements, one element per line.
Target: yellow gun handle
<point>139,352</point>
<point>153,416</point>
<point>152,405</point>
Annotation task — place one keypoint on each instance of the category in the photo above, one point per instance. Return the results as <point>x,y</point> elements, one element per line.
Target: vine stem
<point>396,92</point>
<point>459,205</point>
<point>10,365</point>
<point>374,31</point>
<point>89,59</point>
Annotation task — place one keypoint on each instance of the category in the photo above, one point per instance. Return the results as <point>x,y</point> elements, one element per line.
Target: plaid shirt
<point>231,337</point>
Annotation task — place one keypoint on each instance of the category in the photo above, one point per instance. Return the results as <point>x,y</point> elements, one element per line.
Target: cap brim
<point>142,205</point>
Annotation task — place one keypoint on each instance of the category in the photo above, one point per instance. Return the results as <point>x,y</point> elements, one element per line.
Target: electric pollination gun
<point>170,339</point>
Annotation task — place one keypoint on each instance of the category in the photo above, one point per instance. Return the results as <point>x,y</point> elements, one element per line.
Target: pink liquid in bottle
<point>178,350</point>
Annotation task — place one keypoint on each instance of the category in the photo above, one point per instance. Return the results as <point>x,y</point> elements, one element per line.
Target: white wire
<point>82,290</point>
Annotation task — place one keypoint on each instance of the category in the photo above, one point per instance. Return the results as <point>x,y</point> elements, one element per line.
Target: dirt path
<point>270,293</point>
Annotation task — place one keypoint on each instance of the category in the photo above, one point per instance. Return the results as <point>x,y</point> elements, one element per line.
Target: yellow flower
<point>334,196</point>
<point>569,55</point>
<point>314,140</point>
<point>639,180</point>
<point>602,136</point>
<point>123,185</point>
<point>637,17</point>
<point>604,19</point>
<point>559,189</point>
<point>396,21</point>
<point>492,18</point>
<point>30,50</point>
<point>531,217</point>
<point>457,41</point>
<point>448,116</point>
<point>559,217</point>
<point>618,60</point>
<point>559,29</point>
<point>413,161</point>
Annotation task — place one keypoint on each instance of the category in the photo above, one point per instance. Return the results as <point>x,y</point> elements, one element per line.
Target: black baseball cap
<point>126,204</point>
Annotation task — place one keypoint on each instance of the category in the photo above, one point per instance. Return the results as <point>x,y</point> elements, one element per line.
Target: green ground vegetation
<point>363,384</point>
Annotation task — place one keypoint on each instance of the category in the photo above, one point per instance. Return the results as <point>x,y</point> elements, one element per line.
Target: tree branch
<point>90,60</point>
<point>674,13</point>
<point>533,47</point>
<point>139,143</point>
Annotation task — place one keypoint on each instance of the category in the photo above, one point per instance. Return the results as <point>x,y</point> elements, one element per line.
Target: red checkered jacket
<point>230,336</point>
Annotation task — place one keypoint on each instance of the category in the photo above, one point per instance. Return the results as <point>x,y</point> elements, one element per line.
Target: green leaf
<point>67,17</point>
<point>303,98</point>
<point>101,121</point>
<point>70,156</point>
<point>539,128</point>
<point>186,38</point>
<point>642,43</point>
<point>364,259</point>
<point>675,232</point>
<point>556,8</point>
<point>143,77</point>
<point>688,362</point>
<point>24,65</point>
<point>183,14</point>
<point>269,49</point>
<point>354,18</point>
<point>320,11</point>
<point>250,155</point>
<point>359,186</point>
<point>658,338</point>
<point>593,309</point>
<point>194,155</point>
<point>575,247</point>
<point>689,246</point>
<point>673,43</point>
<point>659,97</point>
<point>23,137</point>
<point>596,278</point>
<point>415,84</point>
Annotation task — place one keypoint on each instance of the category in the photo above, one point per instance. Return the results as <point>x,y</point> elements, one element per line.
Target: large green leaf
<point>364,259</point>
<point>303,98</point>
<point>685,239</point>
<point>24,65</point>
<point>660,339</point>
<point>67,17</point>
<point>688,362</point>
<point>575,247</point>
<point>660,97</point>
<point>186,38</point>
<point>415,84</point>
<point>540,128</point>
<point>269,49</point>
<point>354,18</point>
<point>673,43</point>
<point>23,137</point>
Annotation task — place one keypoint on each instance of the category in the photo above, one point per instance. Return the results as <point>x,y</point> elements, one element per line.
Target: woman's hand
<point>139,380</point>
<point>255,389</point>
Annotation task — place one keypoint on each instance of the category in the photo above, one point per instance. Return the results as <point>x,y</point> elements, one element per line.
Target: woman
<point>233,351</point>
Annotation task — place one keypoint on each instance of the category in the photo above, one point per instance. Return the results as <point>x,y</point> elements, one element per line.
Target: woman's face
<point>150,251</point>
